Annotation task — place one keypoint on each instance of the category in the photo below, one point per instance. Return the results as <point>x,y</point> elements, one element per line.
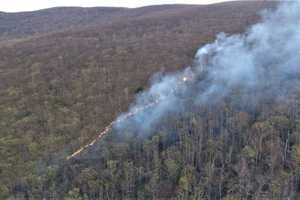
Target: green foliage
<point>184,183</point>
<point>296,154</point>
<point>4,192</point>
<point>249,152</point>
<point>173,168</point>
<point>74,195</point>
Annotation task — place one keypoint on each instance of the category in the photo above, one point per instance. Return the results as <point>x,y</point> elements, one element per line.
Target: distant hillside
<point>14,25</point>
<point>65,73</point>
<point>24,24</point>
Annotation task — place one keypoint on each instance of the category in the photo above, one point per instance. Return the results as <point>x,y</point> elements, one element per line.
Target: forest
<point>60,87</point>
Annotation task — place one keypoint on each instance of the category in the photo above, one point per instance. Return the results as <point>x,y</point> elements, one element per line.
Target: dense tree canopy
<point>59,89</point>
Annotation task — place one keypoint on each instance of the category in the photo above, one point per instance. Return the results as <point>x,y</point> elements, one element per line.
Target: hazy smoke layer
<point>266,56</point>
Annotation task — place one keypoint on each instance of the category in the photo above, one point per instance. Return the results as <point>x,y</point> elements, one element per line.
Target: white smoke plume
<point>267,55</point>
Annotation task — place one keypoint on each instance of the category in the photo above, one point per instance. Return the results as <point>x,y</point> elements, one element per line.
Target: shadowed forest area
<point>65,73</point>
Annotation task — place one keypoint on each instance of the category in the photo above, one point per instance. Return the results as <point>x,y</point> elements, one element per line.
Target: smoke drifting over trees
<point>227,127</point>
<point>263,61</point>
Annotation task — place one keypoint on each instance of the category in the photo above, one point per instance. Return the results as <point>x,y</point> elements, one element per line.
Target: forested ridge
<point>61,85</point>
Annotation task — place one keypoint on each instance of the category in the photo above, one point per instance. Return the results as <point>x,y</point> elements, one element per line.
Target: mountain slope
<point>25,24</point>
<point>16,25</point>
<point>59,89</point>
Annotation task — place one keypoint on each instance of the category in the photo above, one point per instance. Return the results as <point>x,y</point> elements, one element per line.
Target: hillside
<point>65,73</point>
<point>28,24</point>
<point>24,24</point>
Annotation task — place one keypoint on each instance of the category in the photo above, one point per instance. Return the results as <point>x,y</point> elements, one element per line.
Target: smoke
<point>265,58</point>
